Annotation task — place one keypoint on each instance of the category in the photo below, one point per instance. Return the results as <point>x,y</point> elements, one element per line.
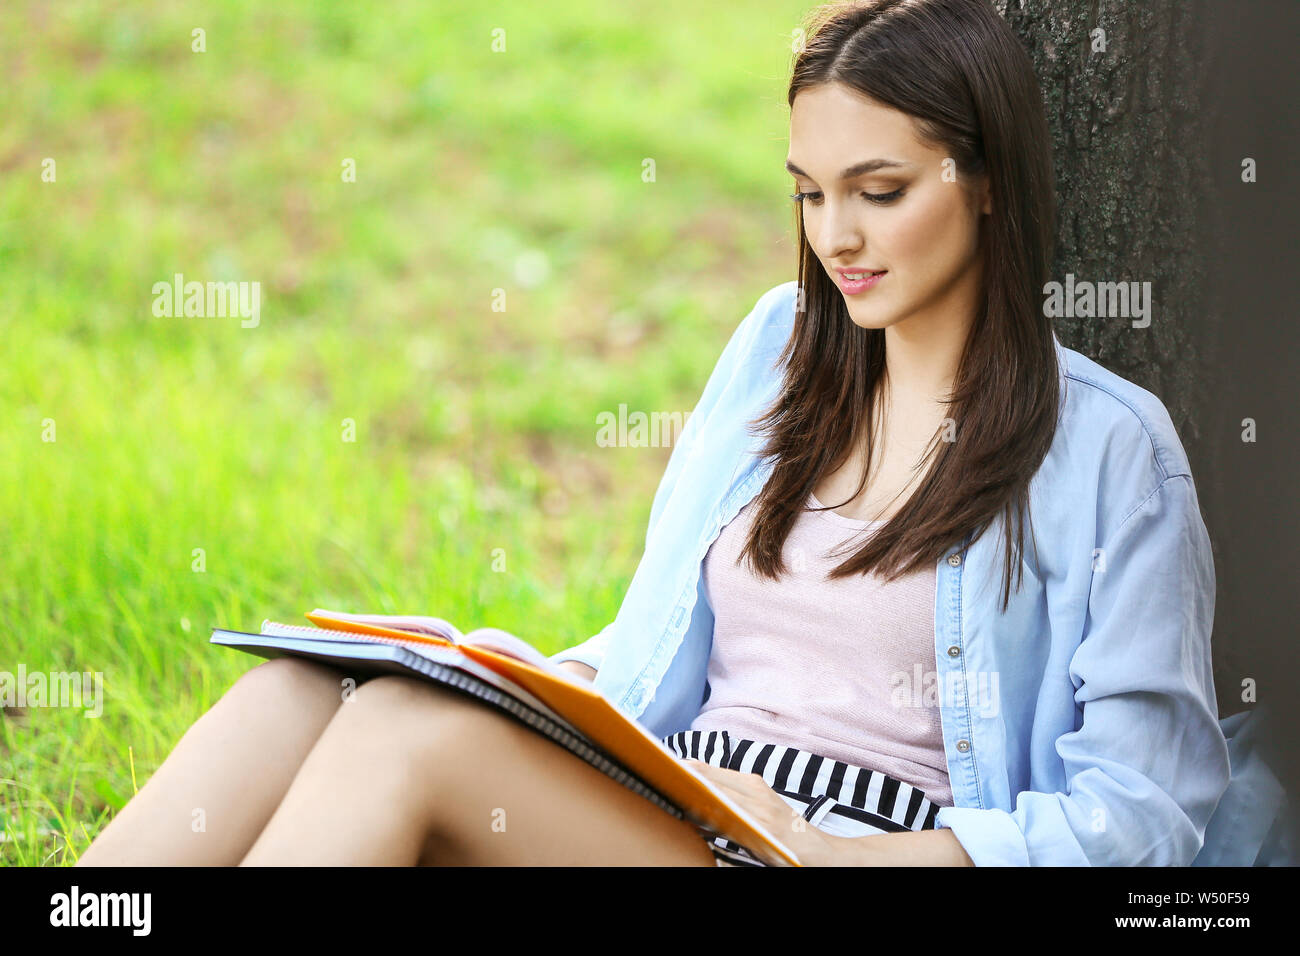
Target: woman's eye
<point>879,198</point>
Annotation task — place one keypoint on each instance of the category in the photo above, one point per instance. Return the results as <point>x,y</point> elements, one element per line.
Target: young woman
<point>817,619</point>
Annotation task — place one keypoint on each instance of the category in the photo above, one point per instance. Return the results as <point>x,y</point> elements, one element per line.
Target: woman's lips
<point>854,286</point>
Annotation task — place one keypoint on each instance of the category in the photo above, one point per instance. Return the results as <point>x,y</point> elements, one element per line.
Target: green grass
<point>475,429</point>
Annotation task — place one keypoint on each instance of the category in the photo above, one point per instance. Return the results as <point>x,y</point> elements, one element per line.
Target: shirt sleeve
<point>592,651</point>
<point>1149,762</point>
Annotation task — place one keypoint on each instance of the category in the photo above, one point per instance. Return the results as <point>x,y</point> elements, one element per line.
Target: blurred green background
<point>475,429</point>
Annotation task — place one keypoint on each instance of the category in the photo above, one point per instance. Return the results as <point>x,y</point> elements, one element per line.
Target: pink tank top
<point>835,667</point>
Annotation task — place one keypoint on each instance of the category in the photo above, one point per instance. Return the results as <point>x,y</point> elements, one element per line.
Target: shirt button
<point>963,745</point>
<point>954,559</point>
<point>954,651</point>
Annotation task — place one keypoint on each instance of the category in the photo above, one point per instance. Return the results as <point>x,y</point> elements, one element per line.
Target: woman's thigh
<point>504,795</point>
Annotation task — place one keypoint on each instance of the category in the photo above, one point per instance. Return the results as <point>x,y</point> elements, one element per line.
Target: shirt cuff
<point>989,837</point>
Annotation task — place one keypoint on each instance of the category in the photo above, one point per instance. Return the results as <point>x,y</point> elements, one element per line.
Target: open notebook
<point>511,675</point>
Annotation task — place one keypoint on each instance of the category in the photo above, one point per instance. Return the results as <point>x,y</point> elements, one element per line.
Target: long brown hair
<point>957,68</point>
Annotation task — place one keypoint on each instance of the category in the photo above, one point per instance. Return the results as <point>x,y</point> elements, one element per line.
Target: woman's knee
<point>427,726</point>
<point>407,702</point>
<point>292,680</point>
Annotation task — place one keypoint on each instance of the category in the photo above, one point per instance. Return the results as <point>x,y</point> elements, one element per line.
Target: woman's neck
<point>920,368</point>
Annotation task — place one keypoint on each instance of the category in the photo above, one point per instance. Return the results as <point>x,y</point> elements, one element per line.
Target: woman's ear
<point>979,195</point>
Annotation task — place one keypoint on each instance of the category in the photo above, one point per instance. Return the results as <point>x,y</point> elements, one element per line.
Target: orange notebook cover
<point>614,732</point>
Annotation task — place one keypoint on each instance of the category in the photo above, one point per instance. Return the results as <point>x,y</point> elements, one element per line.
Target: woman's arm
<point>1148,763</point>
<point>914,848</point>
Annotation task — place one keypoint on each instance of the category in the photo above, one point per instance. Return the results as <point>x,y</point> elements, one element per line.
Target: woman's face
<point>910,218</point>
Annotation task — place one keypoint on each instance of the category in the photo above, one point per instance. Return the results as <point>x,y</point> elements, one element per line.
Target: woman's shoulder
<point>1114,450</point>
<point>749,362</point>
<point>772,318</point>
<point>1115,454</point>
<point>1111,416</point>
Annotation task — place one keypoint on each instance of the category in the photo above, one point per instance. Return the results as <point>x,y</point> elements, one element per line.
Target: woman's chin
<point>870,318</point>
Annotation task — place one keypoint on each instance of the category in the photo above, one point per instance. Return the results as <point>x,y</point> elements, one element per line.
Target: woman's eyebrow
<point>857,169</point>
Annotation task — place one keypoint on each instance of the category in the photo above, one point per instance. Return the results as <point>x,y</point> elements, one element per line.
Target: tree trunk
<point>1127,140</point>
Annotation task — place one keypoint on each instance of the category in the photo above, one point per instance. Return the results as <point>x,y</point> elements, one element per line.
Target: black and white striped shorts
<point>836,797</point>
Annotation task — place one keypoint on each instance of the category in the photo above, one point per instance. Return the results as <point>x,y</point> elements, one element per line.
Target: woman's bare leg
<point>215,791</point>
<point>410,773</point>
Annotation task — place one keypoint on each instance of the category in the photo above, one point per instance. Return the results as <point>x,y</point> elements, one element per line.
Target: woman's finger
<point>723,778</point>
<point>725,781</point>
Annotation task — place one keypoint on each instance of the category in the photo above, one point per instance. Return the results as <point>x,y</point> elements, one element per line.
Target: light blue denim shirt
<point>1083,728</point>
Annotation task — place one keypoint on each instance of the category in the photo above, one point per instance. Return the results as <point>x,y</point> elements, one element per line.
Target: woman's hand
<point>814,847</point>
<point>584,671</point>
<point>810,845</point>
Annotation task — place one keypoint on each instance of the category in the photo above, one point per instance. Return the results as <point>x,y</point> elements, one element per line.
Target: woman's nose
<point>840,232</point>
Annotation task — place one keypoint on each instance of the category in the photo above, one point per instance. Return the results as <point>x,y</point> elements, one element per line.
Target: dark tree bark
<point>1128,135</point>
